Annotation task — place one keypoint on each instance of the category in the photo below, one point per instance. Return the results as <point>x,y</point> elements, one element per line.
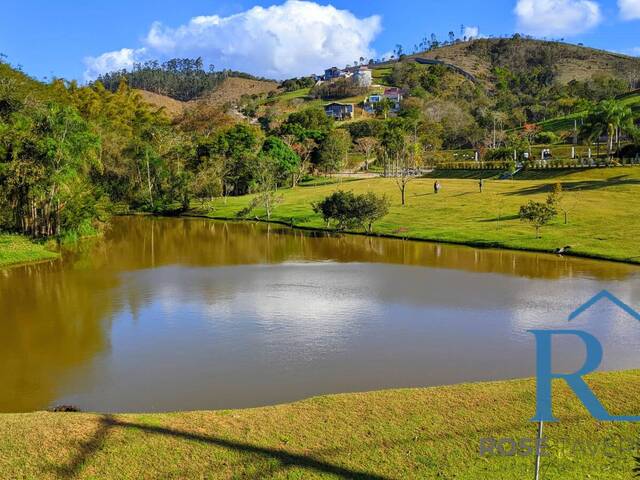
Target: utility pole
<point>494,132</point>
<point>538,450</point>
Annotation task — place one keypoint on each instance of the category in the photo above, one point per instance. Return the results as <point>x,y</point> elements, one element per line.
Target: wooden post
<point>538,444</point>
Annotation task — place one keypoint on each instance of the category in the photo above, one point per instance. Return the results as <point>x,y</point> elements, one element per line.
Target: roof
<point>339,104</point>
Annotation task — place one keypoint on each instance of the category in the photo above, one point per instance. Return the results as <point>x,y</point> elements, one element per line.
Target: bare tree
<point>402,155</point>
<point>367,146</point>
<point>267,185</point>
<point>304,149</point>
<point>564,201</point>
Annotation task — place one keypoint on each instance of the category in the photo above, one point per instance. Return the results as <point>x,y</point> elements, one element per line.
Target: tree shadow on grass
<point>504,218</point>
<point>286,459</point>
<point>86,449</point>
<point>584,185</point>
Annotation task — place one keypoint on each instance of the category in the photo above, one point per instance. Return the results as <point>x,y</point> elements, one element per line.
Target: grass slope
<point>603,220</point>
<point>567,123</point>
<point>172,107</point>
<point>399,434</point>
<point>233,88</point>
<point>17,249</point>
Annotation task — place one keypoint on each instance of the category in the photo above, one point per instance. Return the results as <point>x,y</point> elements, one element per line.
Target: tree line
<point>179,78</point>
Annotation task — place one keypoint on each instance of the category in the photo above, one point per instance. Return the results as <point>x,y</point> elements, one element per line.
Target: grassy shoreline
<point>409,433</point>
<point>601,204</point>
<point>17,250</point>
<point>602,224</point>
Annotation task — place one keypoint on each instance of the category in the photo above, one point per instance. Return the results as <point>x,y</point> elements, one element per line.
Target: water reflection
<point>168,314</point>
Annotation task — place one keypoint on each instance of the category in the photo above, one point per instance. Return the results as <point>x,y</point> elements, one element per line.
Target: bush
<point>293,84</point>
<point>351,211</point>
<point>546,138</point>
<point>629,151</point>
<point>499,154</point>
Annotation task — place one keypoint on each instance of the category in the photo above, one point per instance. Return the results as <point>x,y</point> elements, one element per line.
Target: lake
<point>167,314</point>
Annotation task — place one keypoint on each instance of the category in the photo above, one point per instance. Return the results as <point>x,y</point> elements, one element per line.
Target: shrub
<point>546,138</point>
<point>351,211</point>
<point>629,151</point>
<point>499,154</point>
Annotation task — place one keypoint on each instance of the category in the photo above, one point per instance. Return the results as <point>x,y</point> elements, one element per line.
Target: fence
<point>538,164</point>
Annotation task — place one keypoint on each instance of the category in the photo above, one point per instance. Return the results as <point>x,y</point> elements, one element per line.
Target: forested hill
<point>565,62</point>
<point>180,78</point>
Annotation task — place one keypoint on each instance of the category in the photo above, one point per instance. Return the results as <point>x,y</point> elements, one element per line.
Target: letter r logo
<point>545,376</point>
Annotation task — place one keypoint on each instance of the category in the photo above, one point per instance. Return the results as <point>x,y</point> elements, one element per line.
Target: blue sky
<point>78,40</point>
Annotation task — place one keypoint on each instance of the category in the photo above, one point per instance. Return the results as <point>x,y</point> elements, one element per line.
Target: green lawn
<point>602,203</point>
<point>287,96</point>
<point>381,76</point>
<point>17,249</point>
<point>400,434</point>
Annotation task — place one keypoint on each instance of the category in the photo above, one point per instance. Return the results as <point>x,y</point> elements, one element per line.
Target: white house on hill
<point>363,77</point>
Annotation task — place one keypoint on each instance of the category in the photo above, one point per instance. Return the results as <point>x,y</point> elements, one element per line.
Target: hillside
<point>172,107</point>
<point>529,68</point>
<point>228,92</point>
<point>572,62</point>
<point>232,88</point>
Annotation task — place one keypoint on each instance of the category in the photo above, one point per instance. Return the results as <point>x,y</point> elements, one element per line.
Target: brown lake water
<point>179,314</point>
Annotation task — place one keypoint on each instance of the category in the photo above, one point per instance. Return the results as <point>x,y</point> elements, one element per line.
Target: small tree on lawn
<point>351,211</point>
<point>562,201</point>
<point>371,208</point>
<point>401,155</point>
<point>538,214</point>
<point>337,207</point>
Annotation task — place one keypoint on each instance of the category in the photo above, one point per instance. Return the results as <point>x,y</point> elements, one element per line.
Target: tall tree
<point>334,151</point>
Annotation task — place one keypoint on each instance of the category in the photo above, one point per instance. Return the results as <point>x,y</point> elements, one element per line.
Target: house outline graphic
<point>604,295</point>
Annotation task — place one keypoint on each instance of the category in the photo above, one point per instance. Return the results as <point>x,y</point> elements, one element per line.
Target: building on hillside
<point>333,73</point>
<point>363,77</point>
<point>394,94</point>
<point>370,103</point>
<point>339,111</point>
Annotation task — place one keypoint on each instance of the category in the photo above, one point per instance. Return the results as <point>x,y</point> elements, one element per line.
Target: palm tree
<point>611,118</point>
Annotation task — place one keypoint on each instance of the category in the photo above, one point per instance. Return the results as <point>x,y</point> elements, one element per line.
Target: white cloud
<point>557,17</point>
<point>110,61</point>
<point>629,9</point>
<point>471,32</point>
<point>291,39</point>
